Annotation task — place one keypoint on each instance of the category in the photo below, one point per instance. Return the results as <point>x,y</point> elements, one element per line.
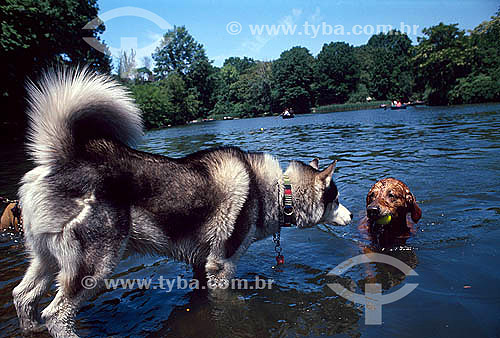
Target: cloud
<point>143,46</point>
<point>290,20</point>
<point>296,12</point>
<point>259,41</point>
<point>155,39</point>
<point>219,59</point>
<point>316,16</point>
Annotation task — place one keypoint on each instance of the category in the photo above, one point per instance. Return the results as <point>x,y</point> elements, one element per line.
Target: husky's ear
<point>326,174</point>
<point>315,163</point>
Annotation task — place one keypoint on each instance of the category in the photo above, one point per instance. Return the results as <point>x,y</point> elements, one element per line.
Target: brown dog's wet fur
<point>9,220</point>
<point>390,196</point>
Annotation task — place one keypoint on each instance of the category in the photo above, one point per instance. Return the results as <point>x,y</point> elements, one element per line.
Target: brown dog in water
<point>387,204</point>
<point>11,218</point>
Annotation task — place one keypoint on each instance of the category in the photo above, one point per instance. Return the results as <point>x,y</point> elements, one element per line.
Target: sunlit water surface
<point>448,156</point>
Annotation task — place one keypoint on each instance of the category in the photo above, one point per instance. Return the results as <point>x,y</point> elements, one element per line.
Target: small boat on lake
<point>287,114</point>
<point>398,105</point>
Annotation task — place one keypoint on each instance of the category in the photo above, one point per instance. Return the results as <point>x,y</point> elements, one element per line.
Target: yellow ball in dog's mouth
<point>384,220</point>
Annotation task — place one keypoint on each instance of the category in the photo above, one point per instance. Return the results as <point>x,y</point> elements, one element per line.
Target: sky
<point>238,28</point>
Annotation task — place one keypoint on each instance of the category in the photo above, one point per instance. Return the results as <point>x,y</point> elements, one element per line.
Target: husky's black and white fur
<point>91,198</point>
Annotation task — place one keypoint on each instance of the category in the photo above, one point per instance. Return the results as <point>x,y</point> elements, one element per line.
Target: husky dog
<point>91,198</point>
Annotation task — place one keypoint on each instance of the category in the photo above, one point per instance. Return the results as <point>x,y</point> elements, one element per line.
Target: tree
<point>201,79</point>
<point>126,67</point>
<point>391,75</point>
<point>147,63</point>
<point>475,89</point>
<point>393,41</point>
<point>483,82</point>
<point>486,45</point>
<point>442,56</point>
<point>177,52</point>
<point>153,103</point>
<point>166,102</point>
<point>240,64</point>
<point>39,34</point>
<point>183,102</point>
<point>336,73</point>
<point>292,79</point>
<point>244,88</point>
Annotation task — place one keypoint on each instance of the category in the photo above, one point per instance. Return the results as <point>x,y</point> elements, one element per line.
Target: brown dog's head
<point>390,196</point>
<point>11,218</point>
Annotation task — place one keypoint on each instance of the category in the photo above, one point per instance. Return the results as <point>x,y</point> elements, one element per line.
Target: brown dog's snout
<point>373,210</point>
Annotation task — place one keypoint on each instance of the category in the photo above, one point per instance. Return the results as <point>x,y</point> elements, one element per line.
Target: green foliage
<point>385,66</point>
<point>201,81</point>
<point>240,64</point>
<point>441,57</point>
<point>482,84</point>
<point>293,79</point>
<point>485,40</point>
<point>50,32</point>
<point>336,73</point>
<point>36,35</point>
<point>153,103</point>
<point>447,66</point>
<point>167,102</point>
<point>475,89</point>
<point>349,106</point>
<point>360,95</point>
<point>244,91</point>
<point>179,53</point>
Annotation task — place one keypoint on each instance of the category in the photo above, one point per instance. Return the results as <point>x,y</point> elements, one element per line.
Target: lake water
<point>448,156</point>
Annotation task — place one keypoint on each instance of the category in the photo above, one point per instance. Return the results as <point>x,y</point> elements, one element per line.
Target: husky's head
<point>315,195</point>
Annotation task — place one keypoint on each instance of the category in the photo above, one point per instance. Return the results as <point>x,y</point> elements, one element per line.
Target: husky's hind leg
<point>27,294</point>
<point>91,252</point>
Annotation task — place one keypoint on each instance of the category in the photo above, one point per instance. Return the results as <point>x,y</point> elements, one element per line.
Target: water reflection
<point>447,156</point>
<point>280,311</point>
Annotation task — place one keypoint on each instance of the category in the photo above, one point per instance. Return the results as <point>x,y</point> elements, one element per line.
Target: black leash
<point>288,221</point>
<point>280,259</point>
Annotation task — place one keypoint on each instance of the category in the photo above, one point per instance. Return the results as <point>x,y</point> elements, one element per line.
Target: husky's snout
<point>337,215</point>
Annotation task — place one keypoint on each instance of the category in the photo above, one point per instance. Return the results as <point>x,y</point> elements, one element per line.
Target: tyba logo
<point>126,43</point>
<point>373,299</point>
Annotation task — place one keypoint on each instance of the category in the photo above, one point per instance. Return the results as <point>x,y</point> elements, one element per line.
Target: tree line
<point>446,66</point>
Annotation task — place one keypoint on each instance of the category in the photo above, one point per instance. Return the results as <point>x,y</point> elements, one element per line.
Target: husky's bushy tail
<point>69,107</point>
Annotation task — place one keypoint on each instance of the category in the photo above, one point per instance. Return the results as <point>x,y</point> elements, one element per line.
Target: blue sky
<point>225,27</point>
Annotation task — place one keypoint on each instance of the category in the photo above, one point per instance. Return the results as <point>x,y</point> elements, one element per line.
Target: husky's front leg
<point>219,272</point>
<point>221,269</point>
<point>228,241</point>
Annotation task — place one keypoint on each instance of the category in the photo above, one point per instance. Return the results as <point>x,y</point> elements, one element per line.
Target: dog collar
<point>288,214</point>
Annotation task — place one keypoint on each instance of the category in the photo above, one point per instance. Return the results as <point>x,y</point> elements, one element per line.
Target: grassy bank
<point>349,106</point>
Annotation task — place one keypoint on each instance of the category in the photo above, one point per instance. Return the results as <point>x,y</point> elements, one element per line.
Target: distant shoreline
<point>332,108</point>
